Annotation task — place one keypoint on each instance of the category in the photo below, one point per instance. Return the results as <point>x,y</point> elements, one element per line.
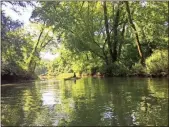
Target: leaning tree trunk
<point>34,51</point>
<point>136,34</point>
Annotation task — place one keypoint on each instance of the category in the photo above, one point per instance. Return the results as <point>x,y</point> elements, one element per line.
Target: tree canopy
<point>112,37</point>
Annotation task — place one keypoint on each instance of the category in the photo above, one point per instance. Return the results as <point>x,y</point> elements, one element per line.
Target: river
<point>86,102</point>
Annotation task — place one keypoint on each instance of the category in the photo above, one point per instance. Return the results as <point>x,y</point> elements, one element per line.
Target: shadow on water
<point>87,102</point>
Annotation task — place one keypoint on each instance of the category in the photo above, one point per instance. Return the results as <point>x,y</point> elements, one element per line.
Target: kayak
<point>72,78</point>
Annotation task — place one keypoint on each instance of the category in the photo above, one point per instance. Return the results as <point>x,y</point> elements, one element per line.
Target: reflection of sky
<point>55,123</point>
<point>108,115</point>
<point>133,115</point>
<point>49,98</point>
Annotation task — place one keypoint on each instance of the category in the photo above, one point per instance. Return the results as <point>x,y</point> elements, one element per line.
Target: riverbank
<point>3,82</point>
<point>98,75</point>
<point>14,78</point>
<point>67,75</point>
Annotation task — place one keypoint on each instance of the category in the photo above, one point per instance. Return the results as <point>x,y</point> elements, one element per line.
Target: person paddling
<point>74,75</point>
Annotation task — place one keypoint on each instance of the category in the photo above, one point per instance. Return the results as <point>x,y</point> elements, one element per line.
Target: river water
<point>86,102</point>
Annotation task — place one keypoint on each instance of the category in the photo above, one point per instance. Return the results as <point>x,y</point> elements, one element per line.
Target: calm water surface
<point>86,102</point>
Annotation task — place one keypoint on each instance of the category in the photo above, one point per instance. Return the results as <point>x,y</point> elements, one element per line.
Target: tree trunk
<point>168,37</point>
<point>34,51</point>
<point>105,54</point>
<point>136,34</point>
<point>34,66</point>
<point>122,35</point>
<point>107,30</point>
<point>115,31</point>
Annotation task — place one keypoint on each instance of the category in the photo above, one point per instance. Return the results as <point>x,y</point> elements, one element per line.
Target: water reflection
<point>50,99</point>
<point>87,102</point>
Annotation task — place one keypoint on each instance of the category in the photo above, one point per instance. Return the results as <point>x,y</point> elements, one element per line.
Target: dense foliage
<point>113,38</point>
<point>21,46</point>
<point>157,62</point>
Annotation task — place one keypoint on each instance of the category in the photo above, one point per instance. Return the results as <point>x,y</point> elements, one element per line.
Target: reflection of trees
<point>156,111</point>
<point>96,103</point>
<point>125,97</point>
<point>11,112</point>
<point>87,96</point>
<point>158,88</point>
<point>114,101</point>
<point>126,103</point>
<point>11,115</point>
<point>31,103</point>
<point>23,107</point>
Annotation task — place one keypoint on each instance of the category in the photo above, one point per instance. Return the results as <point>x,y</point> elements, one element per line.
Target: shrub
<point>138,69</point>
<point>116,69</point>
<point>157,62</point>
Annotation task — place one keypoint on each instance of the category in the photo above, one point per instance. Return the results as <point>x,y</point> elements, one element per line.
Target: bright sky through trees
<point>25,14</point>
<point>23,17</point>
